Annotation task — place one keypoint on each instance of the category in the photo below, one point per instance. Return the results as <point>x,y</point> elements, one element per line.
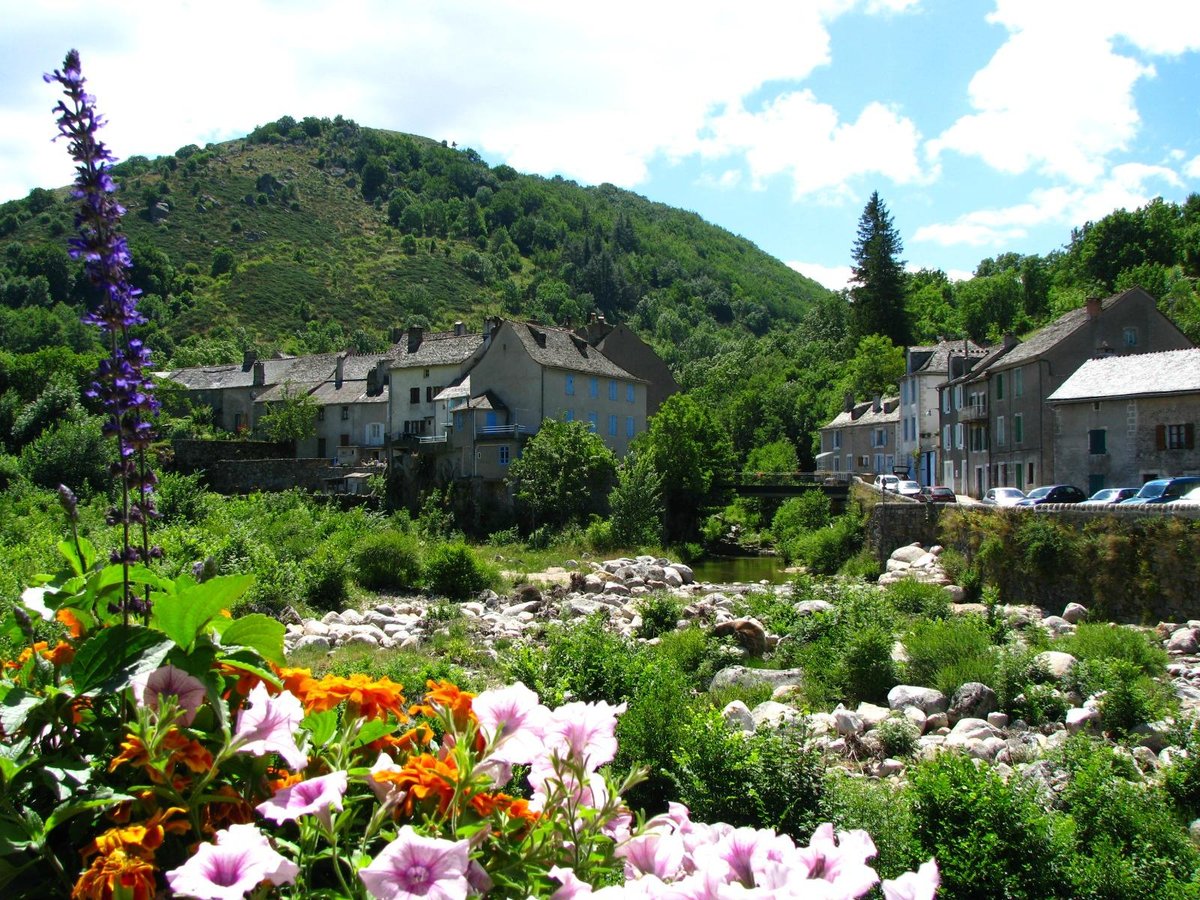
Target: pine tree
<point>877,284</point>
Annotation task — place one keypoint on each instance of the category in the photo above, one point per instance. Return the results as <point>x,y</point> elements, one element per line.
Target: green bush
<point>862,566</point>
<point>657,722</point>
<point>917,598</point>
<point>695,653</point>
<point>180,498</point>
<point>387,560</point>
<point>1129,701</point>
<point>452,570</point>
<point>807,512</point>
<point>870,670</point>
<point>1104,641</point>
<point>898,736</point>
<point>881,809</point>
<point>599,534</point>
<point>948,653</point>
<point>326,576</point>
<point>1182,778</point>
<point>1038,704</point>
<point>660,613</point>
<point>991,838</point>
<point>825,550</point>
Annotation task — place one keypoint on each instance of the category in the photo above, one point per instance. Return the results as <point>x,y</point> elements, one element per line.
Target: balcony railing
<point>433,438</point>
<point>973,412</point>
<point>501,431</point>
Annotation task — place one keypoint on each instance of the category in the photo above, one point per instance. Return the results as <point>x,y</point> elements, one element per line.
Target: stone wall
<point>235,476</point>
<point>199,456</point>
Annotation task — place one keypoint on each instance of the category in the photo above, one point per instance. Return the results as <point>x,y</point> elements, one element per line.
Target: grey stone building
<point>861,439</point>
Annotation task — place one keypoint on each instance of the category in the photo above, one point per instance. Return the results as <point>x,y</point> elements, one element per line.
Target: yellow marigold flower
<point>117,871</point>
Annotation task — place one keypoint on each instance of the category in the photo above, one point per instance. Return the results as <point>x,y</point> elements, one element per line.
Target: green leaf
<point>184,614</point>
<point>322,726</point>
<point>372,731</point>
<point>15,708</point>
<point>110,658</point>
<point>258,632</point>
<point>81,559</point>
<point>252,668</point>
<point>63,813</point>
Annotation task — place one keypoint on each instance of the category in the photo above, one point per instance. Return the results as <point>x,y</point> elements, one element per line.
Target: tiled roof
<point>560,348</point>
<point>437,348</point>
<point>1169,372</point>
<point>864,414</point>
<point>486,400</point>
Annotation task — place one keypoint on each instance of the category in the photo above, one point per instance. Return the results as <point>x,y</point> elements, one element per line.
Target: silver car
<point>1003,496</point>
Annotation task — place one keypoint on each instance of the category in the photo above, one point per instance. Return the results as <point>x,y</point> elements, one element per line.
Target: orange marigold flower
<point>133,751</point>
<point>126,873</point>
<point>450,698</point>
<point>61,654</point>
<point>422,778</point>
<point>227,808</point>
<point>295,681</point>
<point>419,736</point>
<point>26,655</point>
<point>142,839</point>
<point>71,621</point>
<point>191,753</point>
<point>246,681</point>
<point>368,697</point>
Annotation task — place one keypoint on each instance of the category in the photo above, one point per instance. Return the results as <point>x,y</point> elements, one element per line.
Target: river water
<point>748,569</point>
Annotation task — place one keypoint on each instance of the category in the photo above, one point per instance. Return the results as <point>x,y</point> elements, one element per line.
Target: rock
<point>743,676</point>
<point>312,642</point>
<point>1075,613</point>
<point>871,714</point>
<point>847,722</point>
<point>749,634</point>
<point>351,617</point>
<point>525,593</point>
<point>1055,663</point>
<point>685,572</point>
<point>997,719</point>
<point>1080,718</point>
<point>1182,640</point>
<point>1057,625</point>
<point>973,700</point>
<point>909,554</point>
<point>971,730</point>
<point>918,718</point>
<point>957,594</point>
<point>811,607</point>
<point>737,716</point>
<point>936,721</point>
<point>770,714</point>
<point>928,700</point>
<point>1155,735</point>
<point>1146,759</point>
<point>1194,831</point>
<point>615,588</point>
<point>889,767</point>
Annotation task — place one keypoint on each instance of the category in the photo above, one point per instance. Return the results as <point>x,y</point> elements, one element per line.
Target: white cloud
<point>803,138</point>
<point>1058,95</point>
<point>833,277</point>
<point>1192,169</point>
<point>1127,186</point>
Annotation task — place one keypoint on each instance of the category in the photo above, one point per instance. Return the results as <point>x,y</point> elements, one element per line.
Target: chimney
<point>847,402</point>
<point>600,319</point>
<point>876,403</point>
<point>373,382</point>
<point>1010,340</point>
<point>1093,307</point>
<point>592,317</point>
<point>340,371</point>
<point>459,329</point>
<point>260,374</point>
<point>249,357</point>
<point>415,333</point>
<point>396,335</point>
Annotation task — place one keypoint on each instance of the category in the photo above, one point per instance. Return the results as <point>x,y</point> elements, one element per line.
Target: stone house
<point>622,346</point>
<point>1120,421</point>
<point>230,391</point>
<point>918,442</point>
<point>963,417</point>
<point>861,439</point>
<point>419,365</point>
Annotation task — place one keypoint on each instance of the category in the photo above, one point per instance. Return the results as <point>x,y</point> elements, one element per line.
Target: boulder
<point>770,714</point>
<point>811,607</point>
<point>1081,718</point>
<point>846,721</point>
<point>1075,613</point>
<point>973,700</point>
<point>970,730</point>
<point>737,716</point>
<point>749,634</point>
<point>1055,663</point>
<point>871,714</point>
<point>685,572</point>
<point>743,676</point>
<point>928,700</point>
<point>1183,640</point>
<point>909,554</point>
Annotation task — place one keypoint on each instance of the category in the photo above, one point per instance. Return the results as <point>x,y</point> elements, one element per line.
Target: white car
<point>887,483</point>
<point>909,489</point>
<point>1003,496</point>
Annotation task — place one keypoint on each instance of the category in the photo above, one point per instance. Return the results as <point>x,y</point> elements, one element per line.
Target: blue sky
<point>986,127</point>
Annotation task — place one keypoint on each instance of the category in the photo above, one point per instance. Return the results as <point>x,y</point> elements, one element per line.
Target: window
<point>593,387</point>
<point>569,415</point>
<point>345,413</point>
<point>414,395</point>
<point>458,420</point>
<point>629,393</point>
<point>1176,437</point>
<point>1018,382</point>
<point>629,426</point>
<point>612,389</point>
<point>570,385</point>
<point>879,437</point>
<point>1018,428</point>
<point>1001,434</point>
<point>837,440</point>
<point>946,400</point>
<point>429,394</point>
<point>1130,336</point>
<point>999,385</point>
<point>592,419</point>
<point>946,437</point>
<point>958,436</point>
<point>344,440</point>
<point>504,454</point>
<point>321,415</point>
<point>612,425</point>
<point>958,396</point>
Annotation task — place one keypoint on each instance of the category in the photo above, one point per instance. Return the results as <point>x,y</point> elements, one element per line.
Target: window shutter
<point>1160,437</point>
<point>1189,436</point>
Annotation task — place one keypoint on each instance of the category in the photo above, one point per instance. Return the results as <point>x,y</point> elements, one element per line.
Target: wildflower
<point>653,853</point>
<point>170,681</point>
<point>416,866</point>
<point>268,725</point>
<point>422,778</point>
<point>919,885</point>
<point>449,697</point>
<point>317,797</point>
<point>116,874</point>
<point>240,860</point>
<point>512,722</point>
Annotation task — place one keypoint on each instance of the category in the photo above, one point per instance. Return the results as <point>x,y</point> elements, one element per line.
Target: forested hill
<point>320,234</point>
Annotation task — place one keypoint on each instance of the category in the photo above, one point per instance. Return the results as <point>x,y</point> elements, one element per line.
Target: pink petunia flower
<point>268,725</point>
<point>169,681</point>
<point>512,721</point>
<point>841,860</point>
<point>585,732</point>
<point>653,853</point>
<point>240,860</point>
<point>317,797</point>
<point>919,885</point>
<point>571,885</point>
<point>385,791</point>
<point>413,866</point>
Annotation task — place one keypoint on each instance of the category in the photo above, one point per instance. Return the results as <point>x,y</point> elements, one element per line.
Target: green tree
<point>292,418</point>
<point>876,368</point>
<point>687,445</point>
<point>636,503</point>
<point>777,456</point>
<point>878,280</point>
<point>563,475</point>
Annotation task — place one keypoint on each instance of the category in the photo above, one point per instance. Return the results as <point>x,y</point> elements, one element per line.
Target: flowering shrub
<point>162,746</point>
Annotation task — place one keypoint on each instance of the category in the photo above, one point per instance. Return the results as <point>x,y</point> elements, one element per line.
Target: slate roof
<point>200,378</point>
<point>329,394</point>
<point>990,357</point>
<point>1140,374</point>
<point>286,389</point>
<point>437,348</point>
<point>486,400</point>
<point>863,414</point>
<point>935,359</point>
<point>561,348</point>
<point>1048,336</point>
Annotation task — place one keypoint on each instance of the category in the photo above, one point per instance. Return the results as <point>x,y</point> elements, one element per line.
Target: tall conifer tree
<point>877,285</point>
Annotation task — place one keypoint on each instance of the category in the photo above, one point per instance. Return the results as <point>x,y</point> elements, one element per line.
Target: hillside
<point>318,234</point>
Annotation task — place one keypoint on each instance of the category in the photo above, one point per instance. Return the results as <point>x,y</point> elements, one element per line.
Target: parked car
<point>1053,493</point>
<point>1003,496</point>
<point>909,489</point>
<point>1163,490</point>
<point>887,483</point>
<point>1192,496</point>
<point>1109,496</point>
<point>936,493</point>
